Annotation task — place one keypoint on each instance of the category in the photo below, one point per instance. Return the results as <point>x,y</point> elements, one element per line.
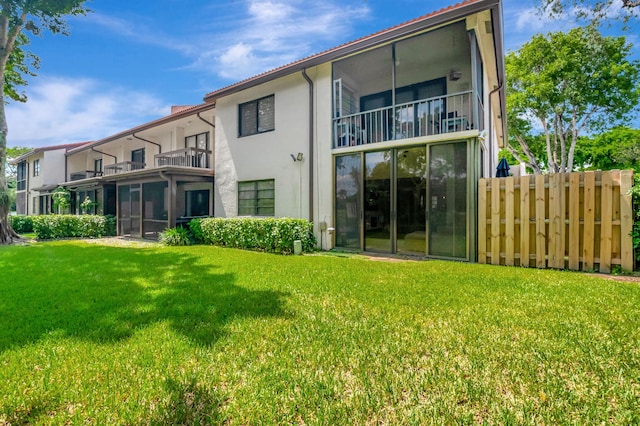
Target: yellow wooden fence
<point>577,221</point>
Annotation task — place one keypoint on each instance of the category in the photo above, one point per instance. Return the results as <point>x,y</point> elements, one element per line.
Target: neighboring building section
<point>152,177</point>
<point>39,172</point>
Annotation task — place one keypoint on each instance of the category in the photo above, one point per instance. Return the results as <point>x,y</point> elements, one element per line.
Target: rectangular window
<point>256,198</point>
<point>21,178</point>
<point>200,141</point>
<point>97,165</point>
<point>137,156</point>
<point>257,116</point>
<point>36,167</point>
<point>197,202</point>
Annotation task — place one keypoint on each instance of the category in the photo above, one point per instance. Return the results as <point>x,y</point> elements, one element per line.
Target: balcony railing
<point>433,116</point>
<point>188,157</point>
<point>125,166</point>
<point>87,174</point>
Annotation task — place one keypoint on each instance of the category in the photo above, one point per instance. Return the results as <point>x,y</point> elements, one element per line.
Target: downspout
<point>104,153</point>
<point>208,122</point>
<point>148,141</point>
<point>311,132</point>
<point>213,178</point>
<point>490,134</point>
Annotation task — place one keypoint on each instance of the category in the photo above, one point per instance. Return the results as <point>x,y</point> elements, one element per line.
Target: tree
<point>592,10</point>
<point>564,85</point>
<point>618,148</point>
<point>17,16</point>
<point>11,172</point>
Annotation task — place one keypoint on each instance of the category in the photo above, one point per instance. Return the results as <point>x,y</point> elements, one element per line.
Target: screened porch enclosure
<point>147,208</point>
<point>424,85</point>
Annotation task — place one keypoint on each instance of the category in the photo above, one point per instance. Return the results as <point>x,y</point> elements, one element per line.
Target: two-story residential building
<point>153,176</point>
<point>39,172</point>
<point>380,142</point>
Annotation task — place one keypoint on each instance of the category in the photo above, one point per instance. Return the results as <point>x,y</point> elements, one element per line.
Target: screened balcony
<point>429,84</point>
<point>424,117</point>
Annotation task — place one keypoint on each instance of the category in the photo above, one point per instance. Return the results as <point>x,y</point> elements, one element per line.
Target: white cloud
<point>62,110</point>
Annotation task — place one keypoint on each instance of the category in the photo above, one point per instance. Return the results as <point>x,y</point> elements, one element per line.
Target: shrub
<point>56,226</point>
<point>22,223</point>
<point>195,226</point>
<point>175,237</point>
<point>268,234</point>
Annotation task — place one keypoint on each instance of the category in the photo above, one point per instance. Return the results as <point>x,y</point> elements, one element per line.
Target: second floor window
<point>36,167</point>
<point>21,178</point>
<point>97,165</point>
<point>137,156</point>
<point>257,116</point>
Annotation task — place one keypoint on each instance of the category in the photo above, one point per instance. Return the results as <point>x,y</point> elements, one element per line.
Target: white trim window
<point>256,198</point>
<point>257,116</point>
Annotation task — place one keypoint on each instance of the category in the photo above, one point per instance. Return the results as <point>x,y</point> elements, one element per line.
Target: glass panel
<point>124,202</point>
<point>154,195</point>
<point>197,202</point>
<point>135,203</point>
<point>248,118</point>
<point>411,200</point>
<point>266,114</point>
<point>348,200</point>
<point>377,201</point>
<point>448,200</point>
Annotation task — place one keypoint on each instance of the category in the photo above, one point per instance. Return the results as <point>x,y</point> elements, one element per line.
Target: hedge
<point>48,227</point>
<point>21,223</point>
<point>264,234</point>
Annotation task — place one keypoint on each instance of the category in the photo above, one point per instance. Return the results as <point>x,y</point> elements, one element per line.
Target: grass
<point>147,334</point>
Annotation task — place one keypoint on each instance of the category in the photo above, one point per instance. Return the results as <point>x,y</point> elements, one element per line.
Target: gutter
<point>104,153</point>
<point>208,122</point>
<point>311,132</point>
<point>148,141</point>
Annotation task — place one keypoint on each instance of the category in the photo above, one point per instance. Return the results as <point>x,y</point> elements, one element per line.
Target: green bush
<point>268,234</point>
<point>195,226</point>
<point>54,226</point>
<point>21,223</point>
<point>175,237</point>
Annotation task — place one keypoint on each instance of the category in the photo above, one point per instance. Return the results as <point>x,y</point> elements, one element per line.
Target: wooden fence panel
<point>579,221</point>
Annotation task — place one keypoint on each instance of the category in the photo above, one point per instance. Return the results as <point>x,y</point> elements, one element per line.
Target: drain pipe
<point>104,153</point>
<point>206,121</point>
<point>148,141</point>
<point>311,132</point>
<point>490,134</point>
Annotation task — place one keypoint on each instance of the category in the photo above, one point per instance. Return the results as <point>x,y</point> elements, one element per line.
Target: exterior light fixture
<point>298,157</point>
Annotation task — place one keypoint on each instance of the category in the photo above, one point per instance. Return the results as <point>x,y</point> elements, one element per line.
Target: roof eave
<point>167,119</point>
<point>448,15</point>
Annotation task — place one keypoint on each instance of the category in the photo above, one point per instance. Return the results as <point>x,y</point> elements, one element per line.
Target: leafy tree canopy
<point>561,86</point>
<point>595,11</point>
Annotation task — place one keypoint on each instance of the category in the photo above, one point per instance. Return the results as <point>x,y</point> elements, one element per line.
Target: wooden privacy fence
<point>578,221</point>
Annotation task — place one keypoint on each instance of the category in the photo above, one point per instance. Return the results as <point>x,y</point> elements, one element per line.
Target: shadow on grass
<point>104,294</point>
<point>190,404</point>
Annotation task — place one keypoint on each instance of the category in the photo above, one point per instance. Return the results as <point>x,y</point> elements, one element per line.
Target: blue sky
<point>127,62</point>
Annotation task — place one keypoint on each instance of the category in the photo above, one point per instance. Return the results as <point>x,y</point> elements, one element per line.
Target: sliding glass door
<point>377,201</point>
<point>448,200</point>
<point>405,200</point>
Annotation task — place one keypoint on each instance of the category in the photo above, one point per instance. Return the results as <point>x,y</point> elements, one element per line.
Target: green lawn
<point>97,334</point>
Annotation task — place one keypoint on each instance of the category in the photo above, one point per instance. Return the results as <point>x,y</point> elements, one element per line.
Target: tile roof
<point>66,147</point>
<point>330,54</point>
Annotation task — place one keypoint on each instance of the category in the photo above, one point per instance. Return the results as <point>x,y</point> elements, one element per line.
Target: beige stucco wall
<point>266,155</point>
